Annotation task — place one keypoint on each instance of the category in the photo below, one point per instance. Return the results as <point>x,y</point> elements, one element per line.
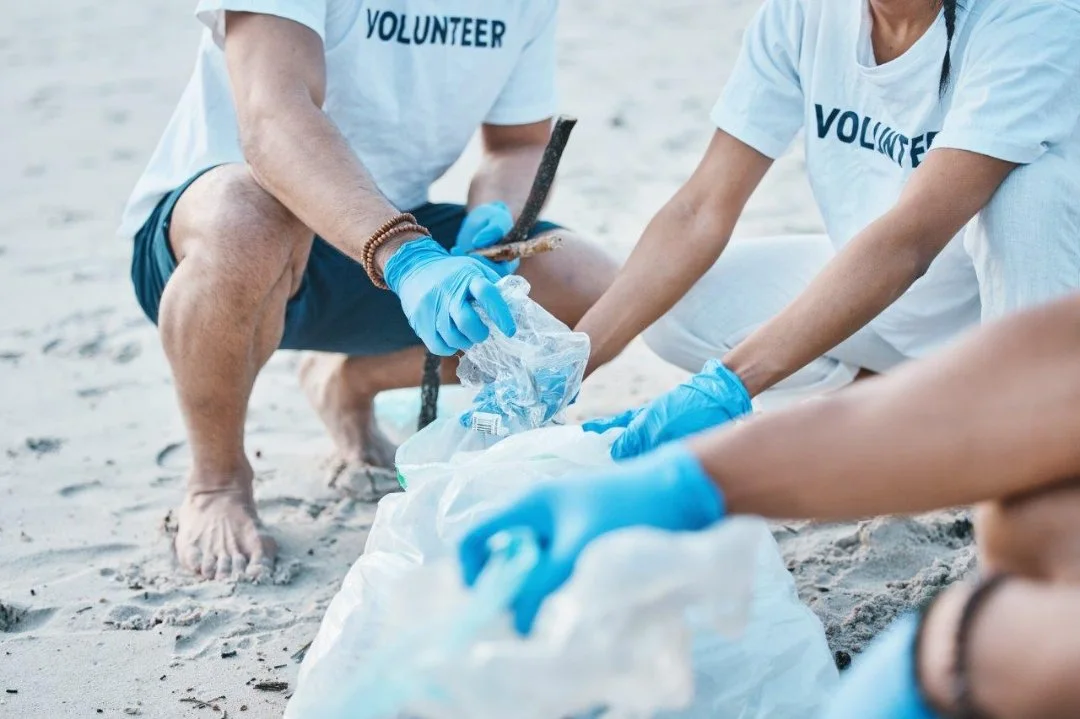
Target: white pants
<point>1025,246</point>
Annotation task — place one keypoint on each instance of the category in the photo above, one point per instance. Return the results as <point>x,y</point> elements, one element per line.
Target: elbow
<point>703,219</point>
<point>257,128</point>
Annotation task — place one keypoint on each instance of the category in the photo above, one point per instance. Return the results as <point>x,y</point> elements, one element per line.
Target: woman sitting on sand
<point>942,143</point>
<point>994,420</point>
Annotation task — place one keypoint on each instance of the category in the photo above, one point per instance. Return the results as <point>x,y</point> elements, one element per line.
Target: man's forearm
<point>506,176</point>
<point>997,415</point>
<point>300,157</point>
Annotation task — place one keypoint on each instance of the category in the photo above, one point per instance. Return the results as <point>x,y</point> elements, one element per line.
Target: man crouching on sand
<point>270,217</point>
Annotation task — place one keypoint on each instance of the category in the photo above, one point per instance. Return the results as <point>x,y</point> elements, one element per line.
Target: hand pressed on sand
<point>220,536</point>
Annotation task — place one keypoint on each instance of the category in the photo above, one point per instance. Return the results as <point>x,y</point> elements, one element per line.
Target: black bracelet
<point>962,693</point>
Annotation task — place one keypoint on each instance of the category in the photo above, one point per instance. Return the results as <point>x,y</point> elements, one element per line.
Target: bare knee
<point>239,234</point>
<point>1034,536</point>
<point>675,339</point>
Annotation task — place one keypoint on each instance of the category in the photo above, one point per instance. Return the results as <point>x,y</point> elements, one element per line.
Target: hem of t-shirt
<point>735,125</point>
<point>208,16</point>
<point>521,115</point>
<point>985,144</point>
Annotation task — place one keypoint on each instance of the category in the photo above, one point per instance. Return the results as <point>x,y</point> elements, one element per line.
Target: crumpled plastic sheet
<point>524,381</point>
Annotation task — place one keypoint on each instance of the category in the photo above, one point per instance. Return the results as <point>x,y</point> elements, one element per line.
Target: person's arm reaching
<point>993,417</point>
<point>277,69</point>
<point>996,415</point>
<point>874,269</point>
<point>678,246</point>
<point>296,153</point>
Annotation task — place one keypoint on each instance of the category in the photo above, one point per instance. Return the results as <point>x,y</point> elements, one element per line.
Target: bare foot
<point>347,409</point>
<point>220,535</point>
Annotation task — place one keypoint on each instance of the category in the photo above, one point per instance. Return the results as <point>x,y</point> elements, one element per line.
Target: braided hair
<point>949,8</point>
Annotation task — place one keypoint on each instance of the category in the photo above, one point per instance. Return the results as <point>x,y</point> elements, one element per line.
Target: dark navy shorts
<point>336,309</point>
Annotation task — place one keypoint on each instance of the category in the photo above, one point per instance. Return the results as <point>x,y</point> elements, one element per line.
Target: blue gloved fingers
<point>631,443</point>
<point>435,343</point>
<point>491,232</point>
<point>489,298</point>
<point>449,333</point>
<point>550,573</point>
<point>467,320</point>
<point>473,550</point>
<point>492,214</point>
<point>603,424</point>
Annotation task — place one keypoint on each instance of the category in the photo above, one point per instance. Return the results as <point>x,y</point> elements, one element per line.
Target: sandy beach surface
<point>95,618</point>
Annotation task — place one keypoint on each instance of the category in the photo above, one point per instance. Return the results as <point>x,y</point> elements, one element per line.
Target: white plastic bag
<point>617,635</point>
<point>706,624</point>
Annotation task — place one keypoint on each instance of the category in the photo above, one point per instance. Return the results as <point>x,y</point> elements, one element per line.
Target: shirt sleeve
<point>762,103</point>
<point>310,13</point>
<point>1018,91</point>
<point>529,95</point>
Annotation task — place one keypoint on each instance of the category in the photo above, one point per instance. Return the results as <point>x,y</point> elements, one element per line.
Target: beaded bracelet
<point>395,226</point>
<point>961,695</point>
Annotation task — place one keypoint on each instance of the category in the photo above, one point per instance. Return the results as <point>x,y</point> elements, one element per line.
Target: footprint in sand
<point>14,619</point>
<point>44,445</point>
<point>73,489</point>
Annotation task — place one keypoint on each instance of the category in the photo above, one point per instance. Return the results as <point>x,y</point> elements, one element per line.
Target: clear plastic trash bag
<point>652,623</point>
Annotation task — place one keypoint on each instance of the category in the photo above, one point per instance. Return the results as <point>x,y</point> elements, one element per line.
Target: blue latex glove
<point>711,397</point>
<point>438,293</point>
<point>484,226</point>
<point>882,685</point>
<point>668,490</point>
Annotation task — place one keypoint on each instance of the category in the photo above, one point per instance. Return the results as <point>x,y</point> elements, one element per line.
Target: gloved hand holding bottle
<point>483,227</point>
<point>668,489</point>
<point>441,293</point>
<point>710,398</point>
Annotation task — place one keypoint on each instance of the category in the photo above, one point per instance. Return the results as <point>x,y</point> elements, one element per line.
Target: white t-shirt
<point>1014,95</point>
<point>408,83</point>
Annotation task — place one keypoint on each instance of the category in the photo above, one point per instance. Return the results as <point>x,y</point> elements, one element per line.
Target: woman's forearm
<point>871,273</point>
<point>873,270</point>
<point>678,246</point>
<point>996,415</point>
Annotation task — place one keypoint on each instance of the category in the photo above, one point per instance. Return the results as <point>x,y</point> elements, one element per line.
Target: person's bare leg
<point>342,389</point>
<point>240,257</point>
<point>1037,535</point>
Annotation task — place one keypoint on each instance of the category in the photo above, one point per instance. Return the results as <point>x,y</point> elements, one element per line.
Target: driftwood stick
<point>518,250</point>
<point>429,390</point>
<point>515,238</point>
<point>545,176</point>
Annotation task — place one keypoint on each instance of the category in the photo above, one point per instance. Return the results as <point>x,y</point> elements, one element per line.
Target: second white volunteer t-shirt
<point>408,83</point>
<point>1014,94</point>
